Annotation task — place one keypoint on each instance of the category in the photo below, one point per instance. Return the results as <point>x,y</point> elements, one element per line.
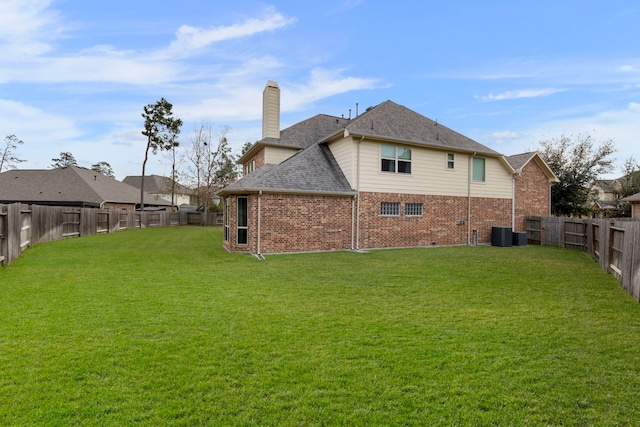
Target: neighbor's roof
<point>156,184</point>
<point>313,170</point>
<point>519,161</point>
<point>67,185</point>
<point>632,198</point>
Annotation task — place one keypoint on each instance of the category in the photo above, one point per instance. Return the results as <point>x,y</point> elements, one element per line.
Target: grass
<point>162,327</point>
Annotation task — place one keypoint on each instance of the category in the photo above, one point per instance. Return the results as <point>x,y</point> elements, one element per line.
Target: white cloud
<point>191,39</point>
<point>518,94</point>
<point>242,101</point>
<point>505,136</point>
<point>26,28</point>
<point>621,125</point>
<point>25,53</point>
<point>322,84</point>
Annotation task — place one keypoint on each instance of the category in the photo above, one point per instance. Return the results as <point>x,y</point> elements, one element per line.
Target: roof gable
<point>313,170</point>
<point>395,122</point>
<point>519,161</point>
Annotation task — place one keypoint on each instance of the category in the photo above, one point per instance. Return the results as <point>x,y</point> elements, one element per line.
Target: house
<point>388,178</point>
<point>162,188</point>
<point>70,186</point>
<point>603,192</point>
<point>634,200</point>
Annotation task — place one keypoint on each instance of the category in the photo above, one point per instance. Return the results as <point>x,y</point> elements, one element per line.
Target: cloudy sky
<point>76,74</point>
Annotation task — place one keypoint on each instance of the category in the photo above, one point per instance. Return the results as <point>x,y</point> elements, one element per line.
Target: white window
<point>451,161</point>
<point>249,167</point>
<point>389,209</point>
<point>413,209</point>
<point>395,159</point>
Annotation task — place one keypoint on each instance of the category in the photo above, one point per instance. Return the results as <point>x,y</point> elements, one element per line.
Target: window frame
<point>450,161</point>
<point>389,208</point>
<point>227,214</point>
<point>244,228</point>
<point>474,175</point>
<point>398,162</point>
<point>414,208</point>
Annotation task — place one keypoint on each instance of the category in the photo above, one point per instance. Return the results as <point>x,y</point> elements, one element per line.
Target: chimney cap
<point>271,83</point>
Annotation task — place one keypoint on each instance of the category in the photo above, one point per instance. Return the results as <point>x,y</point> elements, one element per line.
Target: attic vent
<point>370,108</point>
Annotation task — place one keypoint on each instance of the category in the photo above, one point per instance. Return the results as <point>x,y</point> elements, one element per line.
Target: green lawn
<point>162,327</point>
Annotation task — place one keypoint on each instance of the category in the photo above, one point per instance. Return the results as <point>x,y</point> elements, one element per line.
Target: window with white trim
<point>249,167</point>
<point>390,209</point>
<point>451,161</point>
<point>395,159</point>
<point>413,209</point>
<point>478,174</point>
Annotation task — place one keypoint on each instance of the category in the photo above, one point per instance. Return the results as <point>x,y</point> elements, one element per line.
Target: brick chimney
<point>271,110</point>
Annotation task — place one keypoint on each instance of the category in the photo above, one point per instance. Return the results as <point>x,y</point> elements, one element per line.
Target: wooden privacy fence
<point>22,225</point>
<point>613,243</point>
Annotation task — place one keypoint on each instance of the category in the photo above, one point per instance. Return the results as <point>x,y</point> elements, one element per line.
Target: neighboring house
<point>388,178</point>
<point>161,188</point>
<point>70,186</point>
<point>603,192</point>
<point>634,200</point>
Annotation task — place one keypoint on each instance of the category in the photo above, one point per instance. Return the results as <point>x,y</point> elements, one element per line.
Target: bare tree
<point>9,160</point>
<point>211,164</point>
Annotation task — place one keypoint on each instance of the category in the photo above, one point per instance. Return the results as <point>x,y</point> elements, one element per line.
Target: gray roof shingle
<point>313,170</point>
<point>68,185</point>
<point>396,122</point>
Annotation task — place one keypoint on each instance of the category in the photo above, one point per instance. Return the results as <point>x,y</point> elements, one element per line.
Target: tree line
<point>209,164</point>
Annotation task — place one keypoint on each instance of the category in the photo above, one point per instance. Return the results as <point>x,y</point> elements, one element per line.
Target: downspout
<point>259,217</point>
<point>353,221</point>
<point>513,203</point>
<point>469,198</point>
<point>358,194</point>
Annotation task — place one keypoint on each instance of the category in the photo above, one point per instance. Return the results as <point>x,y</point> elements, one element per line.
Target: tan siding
<point>275,155</point>
<point>430,176</point>
<point>344,152</point>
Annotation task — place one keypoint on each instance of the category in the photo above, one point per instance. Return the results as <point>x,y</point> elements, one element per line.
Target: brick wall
<point>532,194</point>
<point>258,158</point>
<point>299,223</point>
<point>444,220</point>
<point>294,223</point>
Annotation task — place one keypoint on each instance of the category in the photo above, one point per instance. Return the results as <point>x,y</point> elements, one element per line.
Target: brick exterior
<point>532,196</point>
<point>258,158</point>
<point>444,220</point>
<point>294,223</point>
<point>302,223</point>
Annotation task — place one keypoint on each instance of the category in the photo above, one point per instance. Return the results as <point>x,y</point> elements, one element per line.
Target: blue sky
<point>75,74</point>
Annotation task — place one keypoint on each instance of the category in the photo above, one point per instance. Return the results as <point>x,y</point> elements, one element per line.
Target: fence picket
<point>22,226</point>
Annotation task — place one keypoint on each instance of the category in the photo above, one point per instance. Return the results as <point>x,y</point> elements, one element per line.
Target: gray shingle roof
<point>313,170</point>
<point>632,198</point>
<point>68,185</point>
<point>156,184</point>
<point>396,122</point>
<point>518,161</point>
